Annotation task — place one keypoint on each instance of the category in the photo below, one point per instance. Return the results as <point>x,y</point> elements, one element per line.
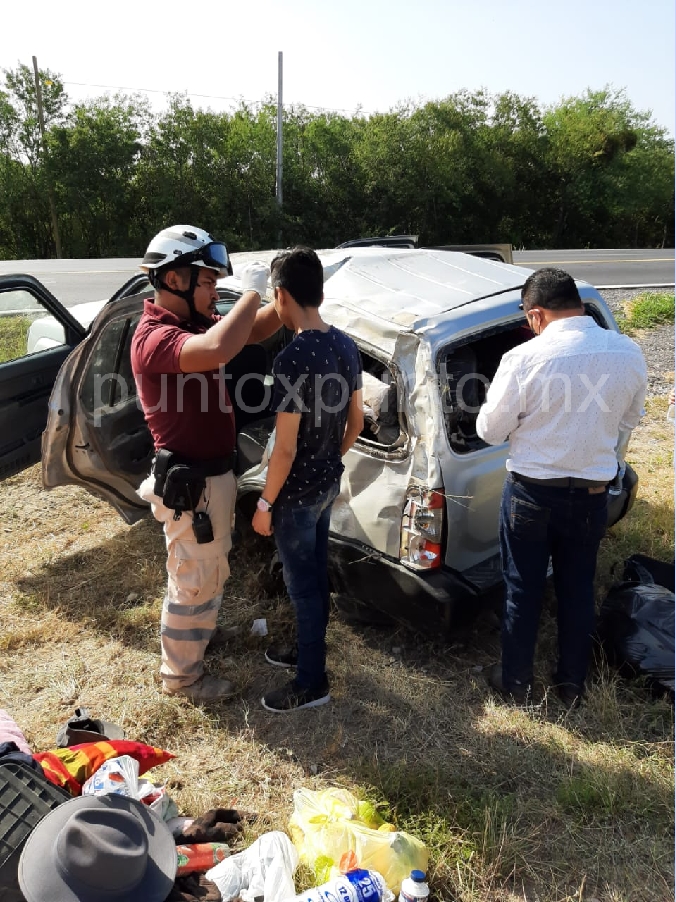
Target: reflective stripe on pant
<point>196,575</point>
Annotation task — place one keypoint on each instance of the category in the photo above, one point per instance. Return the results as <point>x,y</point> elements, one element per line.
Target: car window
<point>382,416</point>
<point>26,327</point>
<point>108,380</point>
<point>465,372</point>
<point>596,314</point>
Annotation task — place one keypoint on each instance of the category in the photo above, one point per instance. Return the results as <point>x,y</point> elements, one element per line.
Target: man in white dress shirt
<point>567,401</point>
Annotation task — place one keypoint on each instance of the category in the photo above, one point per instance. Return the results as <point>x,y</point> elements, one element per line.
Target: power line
<point>307,106</point>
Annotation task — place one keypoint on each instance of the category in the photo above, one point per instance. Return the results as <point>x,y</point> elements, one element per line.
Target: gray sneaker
<point>206,689</point>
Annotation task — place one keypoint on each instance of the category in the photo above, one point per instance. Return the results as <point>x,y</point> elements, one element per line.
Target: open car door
<point>96,435</point>
<point>28,369</point>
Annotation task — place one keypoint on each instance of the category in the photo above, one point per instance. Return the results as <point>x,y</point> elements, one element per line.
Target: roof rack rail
<point>500,252</point>
<point>409,241</point>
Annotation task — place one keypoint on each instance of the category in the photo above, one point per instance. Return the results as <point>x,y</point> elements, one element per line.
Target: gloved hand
<point>254,277</point>
<point>217,825</point>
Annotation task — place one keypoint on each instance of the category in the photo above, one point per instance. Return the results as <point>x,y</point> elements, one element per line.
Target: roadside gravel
<point>657,344</point>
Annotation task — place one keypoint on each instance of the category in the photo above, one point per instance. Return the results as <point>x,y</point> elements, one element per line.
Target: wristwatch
<point>263,505</point>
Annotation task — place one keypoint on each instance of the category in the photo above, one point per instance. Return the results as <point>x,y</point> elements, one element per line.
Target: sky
<point>368,54</point>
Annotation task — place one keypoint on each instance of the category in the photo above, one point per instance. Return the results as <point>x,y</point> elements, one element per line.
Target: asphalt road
<point>607,267</point>
<point>77,281</point>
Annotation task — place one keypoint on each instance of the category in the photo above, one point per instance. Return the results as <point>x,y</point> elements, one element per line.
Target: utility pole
<point>280,141</point>
<point>50,192</point>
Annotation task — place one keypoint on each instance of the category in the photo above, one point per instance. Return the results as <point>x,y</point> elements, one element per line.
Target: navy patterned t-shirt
<point>316,376</point>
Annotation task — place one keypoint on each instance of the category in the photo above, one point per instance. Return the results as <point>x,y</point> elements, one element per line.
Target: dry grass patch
<point>542,804</point>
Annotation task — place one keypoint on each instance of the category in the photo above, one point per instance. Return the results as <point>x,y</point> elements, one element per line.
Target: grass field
<point>652,308</point>
<point>537,805</point>
<point>13,336</point>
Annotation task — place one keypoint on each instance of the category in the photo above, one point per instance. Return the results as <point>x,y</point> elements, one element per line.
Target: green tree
<point>211,168</point>
<point>25,225</point>
<point>92,159</point>
<point>471,167</point>
<point>591,139</point>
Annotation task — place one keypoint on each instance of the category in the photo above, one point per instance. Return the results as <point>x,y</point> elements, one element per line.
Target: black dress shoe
<point>519,695</point>
<point>568,693</point>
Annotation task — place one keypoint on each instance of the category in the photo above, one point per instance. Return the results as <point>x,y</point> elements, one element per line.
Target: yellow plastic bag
<point>326,825</point>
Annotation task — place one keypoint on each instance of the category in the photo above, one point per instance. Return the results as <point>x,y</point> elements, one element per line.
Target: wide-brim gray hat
<point>99,847</point>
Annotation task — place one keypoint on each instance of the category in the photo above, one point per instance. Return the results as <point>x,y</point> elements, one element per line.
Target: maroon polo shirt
<point>188,413</point>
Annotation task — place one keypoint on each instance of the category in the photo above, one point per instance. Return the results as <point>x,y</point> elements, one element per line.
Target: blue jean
<point>536,522</point>
<point>302,536</point>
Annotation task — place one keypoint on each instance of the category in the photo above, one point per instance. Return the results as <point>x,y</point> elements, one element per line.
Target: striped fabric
<point>71,767</point>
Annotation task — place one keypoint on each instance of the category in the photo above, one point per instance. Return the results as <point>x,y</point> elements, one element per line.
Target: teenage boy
<point>317,398</point>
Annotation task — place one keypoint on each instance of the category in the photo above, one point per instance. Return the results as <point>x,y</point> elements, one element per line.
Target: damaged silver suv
<point>414,531</point>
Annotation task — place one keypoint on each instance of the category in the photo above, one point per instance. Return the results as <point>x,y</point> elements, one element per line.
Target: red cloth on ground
<point>70,767</point>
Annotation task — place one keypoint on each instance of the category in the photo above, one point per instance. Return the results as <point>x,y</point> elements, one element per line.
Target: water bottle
<point>414,888</point>
<point>358,885</point>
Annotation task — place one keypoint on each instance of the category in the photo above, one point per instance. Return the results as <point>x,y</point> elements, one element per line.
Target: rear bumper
<point>427,600</point>
<point>423,599</point>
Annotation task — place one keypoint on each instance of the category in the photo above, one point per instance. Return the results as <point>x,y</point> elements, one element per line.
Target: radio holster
<point>183,489</point>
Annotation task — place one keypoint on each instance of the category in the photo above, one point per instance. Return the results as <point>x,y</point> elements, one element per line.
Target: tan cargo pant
<point>197,574</point>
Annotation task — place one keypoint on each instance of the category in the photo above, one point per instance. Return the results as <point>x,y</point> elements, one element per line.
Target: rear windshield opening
<point>382,427</point>
<point>465,372</point>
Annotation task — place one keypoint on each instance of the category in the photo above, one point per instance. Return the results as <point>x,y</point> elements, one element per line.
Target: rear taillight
<point>422,523</point>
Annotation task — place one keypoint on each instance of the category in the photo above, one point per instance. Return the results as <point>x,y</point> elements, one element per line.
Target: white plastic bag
<point>265,869</point>
<point>118,776</point>
<point>157,799</point>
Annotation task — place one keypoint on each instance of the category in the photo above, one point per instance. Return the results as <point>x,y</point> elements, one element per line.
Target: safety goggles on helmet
<point>213,256</point>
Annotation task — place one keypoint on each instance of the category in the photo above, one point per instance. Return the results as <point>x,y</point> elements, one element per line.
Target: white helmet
<point>184,245</point>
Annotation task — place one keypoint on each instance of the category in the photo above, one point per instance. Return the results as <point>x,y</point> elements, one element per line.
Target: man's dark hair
<point>552,289</point>
<point>300,272</point>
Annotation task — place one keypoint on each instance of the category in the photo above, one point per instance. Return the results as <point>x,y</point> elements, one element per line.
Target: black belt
<point>562,482</point>
<point>215,467</point>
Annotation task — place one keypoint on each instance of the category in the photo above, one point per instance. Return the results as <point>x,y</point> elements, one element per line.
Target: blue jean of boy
<point>302,535</point>
<point>536,522</point>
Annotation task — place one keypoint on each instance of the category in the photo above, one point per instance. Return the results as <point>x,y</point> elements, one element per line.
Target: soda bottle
<point>358,885</point>
<point>414,888</point>
<point>197,858</point>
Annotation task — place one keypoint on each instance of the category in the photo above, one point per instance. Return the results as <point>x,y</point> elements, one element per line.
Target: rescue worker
<point>178,347</point>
